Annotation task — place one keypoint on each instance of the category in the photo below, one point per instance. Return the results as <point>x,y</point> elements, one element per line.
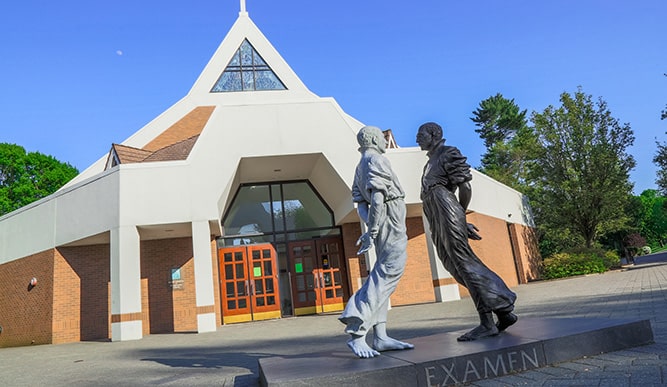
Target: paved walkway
<point>229,356</point>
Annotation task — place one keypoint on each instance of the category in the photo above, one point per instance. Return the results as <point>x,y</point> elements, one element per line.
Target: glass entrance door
<point>317,279</point>
<point>248,283</point>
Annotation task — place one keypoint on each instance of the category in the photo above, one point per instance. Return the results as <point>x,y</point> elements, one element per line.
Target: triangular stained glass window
<point>247,71</point>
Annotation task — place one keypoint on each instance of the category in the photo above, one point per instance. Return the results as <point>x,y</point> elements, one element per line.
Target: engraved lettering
<point>430,375</point>
<point>470,369</point>
<point>488,365</point>
<point>450,374</point>
<point>512,360</point>
<point>533,360</point>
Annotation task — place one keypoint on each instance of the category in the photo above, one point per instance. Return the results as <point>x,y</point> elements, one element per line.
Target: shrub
<point>634,243</point>
<point>569,264</point>
<point>611,259</point>
<point>646,250</point>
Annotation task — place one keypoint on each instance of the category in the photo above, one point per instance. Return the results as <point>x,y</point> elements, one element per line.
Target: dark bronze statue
<point>446,172</point>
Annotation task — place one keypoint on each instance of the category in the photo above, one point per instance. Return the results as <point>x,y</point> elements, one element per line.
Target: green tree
<point>660,159</point>
<point>652,217</point>
<point>498,119</point>
<point>508,139</point>
<point>581,172</point>
<point>27,177</point>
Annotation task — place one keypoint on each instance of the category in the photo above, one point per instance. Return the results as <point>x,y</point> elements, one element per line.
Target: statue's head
<point>433,129</point>
<point>371,137</point>
<point>429,135</point>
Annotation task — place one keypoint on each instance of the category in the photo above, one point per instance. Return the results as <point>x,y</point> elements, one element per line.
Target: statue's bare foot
<point>358,345</point>
<point>479,332</point>
<point>390,344</point>
<point>505,320</point>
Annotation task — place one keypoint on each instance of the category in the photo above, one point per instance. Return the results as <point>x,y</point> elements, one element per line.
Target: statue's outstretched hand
<point>366,243</point>
<point>472,232</point>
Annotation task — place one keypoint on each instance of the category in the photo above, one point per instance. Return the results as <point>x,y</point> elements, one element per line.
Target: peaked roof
<point>191,114</point>
<point>123,154</point>
<point>126,154</point>
<point>174,143</point>
<point>190,125</point>
<point>178,151</point>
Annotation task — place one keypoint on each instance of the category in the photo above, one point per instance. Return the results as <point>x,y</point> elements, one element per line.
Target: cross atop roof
<point>243,11</point>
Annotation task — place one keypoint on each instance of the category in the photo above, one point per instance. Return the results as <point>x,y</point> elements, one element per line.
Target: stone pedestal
<point>440,360</point>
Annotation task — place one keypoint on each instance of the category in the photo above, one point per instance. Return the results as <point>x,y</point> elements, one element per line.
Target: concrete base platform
<point>440,360</point>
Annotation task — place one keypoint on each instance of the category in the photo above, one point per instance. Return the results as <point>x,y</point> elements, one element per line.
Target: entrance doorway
<point>317,279</point>
<point>308,264</point>
<point>248,283</point>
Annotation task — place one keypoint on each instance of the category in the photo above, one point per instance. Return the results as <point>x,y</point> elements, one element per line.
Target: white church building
<point>232,205</point>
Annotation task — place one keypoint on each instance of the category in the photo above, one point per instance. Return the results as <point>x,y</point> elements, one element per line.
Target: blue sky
<point>77,76</point>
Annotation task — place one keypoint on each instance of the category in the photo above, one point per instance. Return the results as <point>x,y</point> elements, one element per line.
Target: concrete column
<point>445,286</point>
<point>126,319</point>
<point>203,261</point>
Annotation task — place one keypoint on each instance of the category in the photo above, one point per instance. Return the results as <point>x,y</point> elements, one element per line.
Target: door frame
<point>319,278</point>
<point>251,267</point>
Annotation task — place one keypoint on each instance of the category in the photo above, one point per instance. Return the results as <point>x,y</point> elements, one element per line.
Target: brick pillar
<point>201,248</point>
<point>125,284</point>
<point>445,286</point>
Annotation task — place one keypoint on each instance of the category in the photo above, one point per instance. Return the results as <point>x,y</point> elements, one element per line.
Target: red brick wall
<point>170,310</point>
<point>527,252</point>
<point>416,285</point>
<point>66,302</point>
<point>26,313</point>
<point>356,265</point>
<point>495,248</point>
<point>81,303</point>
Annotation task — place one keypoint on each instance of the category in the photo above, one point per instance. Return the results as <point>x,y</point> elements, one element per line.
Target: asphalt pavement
<point>229,357</point>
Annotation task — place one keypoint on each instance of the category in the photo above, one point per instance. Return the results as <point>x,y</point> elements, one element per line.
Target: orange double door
<point>317,276</point>
<point>249,283</point>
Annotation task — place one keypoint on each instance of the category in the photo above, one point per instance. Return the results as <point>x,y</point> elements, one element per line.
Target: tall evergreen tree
<point>508,139</point>
<point>660,159</point>
<point>27,177</point>
<point>581,173</point>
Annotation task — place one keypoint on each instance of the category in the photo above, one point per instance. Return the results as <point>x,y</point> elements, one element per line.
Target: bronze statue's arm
<point>465,194</point>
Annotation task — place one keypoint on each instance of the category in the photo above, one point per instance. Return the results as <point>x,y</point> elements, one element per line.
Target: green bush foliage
<point>646,250</point>
<point>579,262</point>
<point>612,259</point>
